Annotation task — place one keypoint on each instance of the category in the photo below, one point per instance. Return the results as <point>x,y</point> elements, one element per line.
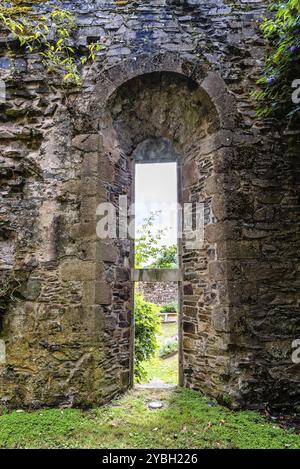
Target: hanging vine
<point>49,33</point>
<point>279,93</point>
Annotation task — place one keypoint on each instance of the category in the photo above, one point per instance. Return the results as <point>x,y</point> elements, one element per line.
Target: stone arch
<point>206,130</point>
<point>110,79</point>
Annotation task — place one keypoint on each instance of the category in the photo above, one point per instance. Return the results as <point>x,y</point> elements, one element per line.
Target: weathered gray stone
<point>178,73</point>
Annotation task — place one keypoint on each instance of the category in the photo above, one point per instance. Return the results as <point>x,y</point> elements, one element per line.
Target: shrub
<point>168,348</point>
<point>169,308</point>
<point>147,326</point>
<point>166,258</point>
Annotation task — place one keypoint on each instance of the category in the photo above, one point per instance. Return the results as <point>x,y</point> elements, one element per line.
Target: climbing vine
<point>279,93</point>
<point>50,34</point>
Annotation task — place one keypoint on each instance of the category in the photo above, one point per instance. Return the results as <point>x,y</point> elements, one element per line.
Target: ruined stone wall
<point>159,293</point>
<point>66,309</point>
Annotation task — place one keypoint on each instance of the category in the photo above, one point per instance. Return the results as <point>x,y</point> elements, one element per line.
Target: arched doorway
<point>171,108</point>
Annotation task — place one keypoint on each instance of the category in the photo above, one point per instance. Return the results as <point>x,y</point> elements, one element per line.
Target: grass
<point>187,420</point>
<point>167,331</point>
<point>159,368</point>
<point>163,369</point>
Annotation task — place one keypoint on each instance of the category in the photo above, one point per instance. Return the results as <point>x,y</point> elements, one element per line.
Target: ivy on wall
<point>279,93</point>
<point>50,34</point>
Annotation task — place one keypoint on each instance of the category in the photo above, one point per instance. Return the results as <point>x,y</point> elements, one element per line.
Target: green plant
<point>147,326</point>
<point>169,308</point>
<point>282,64</point>
<point>226,400</point>
<point>166,258</point>
<point>168,349</point>
<point>50,35</point>
<point>148,246</point>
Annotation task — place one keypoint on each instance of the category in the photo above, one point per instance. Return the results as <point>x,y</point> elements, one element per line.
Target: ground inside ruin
<point>162,372</point>
<point>186,419</point>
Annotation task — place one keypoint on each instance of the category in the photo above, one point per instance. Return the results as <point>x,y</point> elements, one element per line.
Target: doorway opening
<point>156,262</point>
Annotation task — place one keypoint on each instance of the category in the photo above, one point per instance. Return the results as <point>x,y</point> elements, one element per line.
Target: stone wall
<point>177,70</point>
<point>159,293</point>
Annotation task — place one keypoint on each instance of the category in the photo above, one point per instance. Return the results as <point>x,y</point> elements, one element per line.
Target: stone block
<point>88,208</point>
<point>88,250</point>
<point>90,164</point>
<point>75,269</point>
<point>73,186</point>
<point>217,270</point>
<point>190,173</point>
<point>91,185</point>
<point>83,230</point>
<point>103,293</point>
<point>106,251</point>
<point>2,352</point>
<point>222,231</point>
<point>220,319</point>
<point>87,142</point>
<point>238,249</point>
<point>189,327</point>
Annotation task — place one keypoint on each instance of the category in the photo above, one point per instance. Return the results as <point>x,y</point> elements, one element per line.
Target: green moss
<point>187,420</point>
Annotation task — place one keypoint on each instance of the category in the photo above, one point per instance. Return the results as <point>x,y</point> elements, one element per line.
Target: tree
<point>166,259</point>
<point>148,246</point>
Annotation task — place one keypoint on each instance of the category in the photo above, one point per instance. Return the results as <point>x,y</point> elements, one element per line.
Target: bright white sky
<point>156,190</point>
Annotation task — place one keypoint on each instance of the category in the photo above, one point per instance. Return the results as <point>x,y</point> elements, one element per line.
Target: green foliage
<point>147,326</point>
<point>282,65</point>
<point>168,348</point>
<point>50,35</point>
<point>226,400</point>
<point>166,258</point>
<point>169,308</point>
<point>148,247</point>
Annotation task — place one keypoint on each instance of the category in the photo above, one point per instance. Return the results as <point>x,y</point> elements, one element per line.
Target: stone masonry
<point>159,293</point>
<point>178,73</point>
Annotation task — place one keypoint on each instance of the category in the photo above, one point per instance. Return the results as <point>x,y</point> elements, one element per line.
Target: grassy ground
<point>159,368</point>
<point>187,420</point>
<point>165,370</point>
<point>168,330</point>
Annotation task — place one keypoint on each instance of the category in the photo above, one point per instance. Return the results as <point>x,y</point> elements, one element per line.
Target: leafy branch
<point>148,246</point>
<point>282,64</point>
<point>51,36</point>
